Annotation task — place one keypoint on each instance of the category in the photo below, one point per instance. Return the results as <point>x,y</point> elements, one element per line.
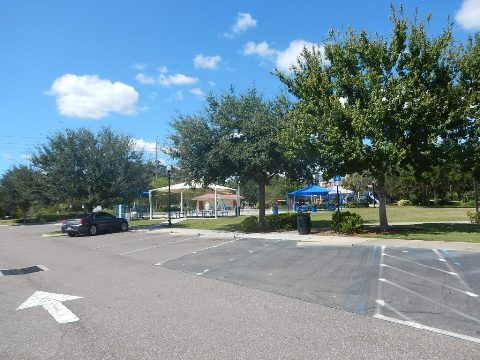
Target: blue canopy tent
<point>308,191</point>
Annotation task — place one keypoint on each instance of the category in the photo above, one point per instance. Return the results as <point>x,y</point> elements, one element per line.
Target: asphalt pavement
<point>208,295</point>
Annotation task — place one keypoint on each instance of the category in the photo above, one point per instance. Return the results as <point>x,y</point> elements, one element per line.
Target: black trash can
<point>303,224</point>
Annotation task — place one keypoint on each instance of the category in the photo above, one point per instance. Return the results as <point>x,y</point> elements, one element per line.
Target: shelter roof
<point>182,187</point>
<point>311,190</point>
<point>212,196</point>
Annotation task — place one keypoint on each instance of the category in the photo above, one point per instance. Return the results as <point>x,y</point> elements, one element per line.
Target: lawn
<point>222,224</point>
<point>404,214</point>
<point>429,232</point>
<point>8,221</point>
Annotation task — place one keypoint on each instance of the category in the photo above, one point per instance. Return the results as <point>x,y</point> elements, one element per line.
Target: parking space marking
<point>427,328</point>
<point>382,303</point>
<point>265,245</point>
<point>430,300</point>
<point>201,273</point>
<point>158,245</point>
<point>196,252</point>
<point>380,276</point>
<point>419,264</point>
<point>432,281</point>
<point>458,265</point>
<point>128,242</point>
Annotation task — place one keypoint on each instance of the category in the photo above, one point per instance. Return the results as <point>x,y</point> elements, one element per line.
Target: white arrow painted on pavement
<point>53,304</point>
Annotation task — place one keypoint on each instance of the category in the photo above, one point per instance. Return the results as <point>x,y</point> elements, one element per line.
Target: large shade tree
<point>470,81</point>
<point>92,169</point>
<point>21,188</point>
<point>236,136</point>
<point>370,103</point>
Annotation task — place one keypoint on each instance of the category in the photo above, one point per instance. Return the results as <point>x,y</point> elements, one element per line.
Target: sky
<point>134,65</point>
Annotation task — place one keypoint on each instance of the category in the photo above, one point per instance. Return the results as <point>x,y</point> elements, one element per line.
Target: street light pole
<point>169,202</point>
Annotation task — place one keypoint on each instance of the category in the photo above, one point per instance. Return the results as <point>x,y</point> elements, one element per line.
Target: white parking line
<point>128,242</point>
<point>265,245</point>
<point>428,328</point>
<point>380,276</point>
<point>382,303</point>
<point>430,300</point>
<point>432,281</point>
<point>155,246</point>
<point>195,252</point>
<point>419,264</point>
<point>465,285</point>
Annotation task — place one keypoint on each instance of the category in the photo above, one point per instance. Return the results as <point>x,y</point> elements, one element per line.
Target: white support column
<point>181,201</point>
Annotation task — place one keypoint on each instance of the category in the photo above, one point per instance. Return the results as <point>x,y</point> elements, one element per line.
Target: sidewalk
<point>320,239</point>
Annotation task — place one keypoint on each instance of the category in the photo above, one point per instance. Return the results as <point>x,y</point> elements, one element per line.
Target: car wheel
<point>124,226</point>
<point>71,234</point>
<point>92,230</point>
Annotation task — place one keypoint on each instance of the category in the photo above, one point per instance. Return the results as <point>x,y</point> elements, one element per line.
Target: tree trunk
<point>435,197</point>
<point>475,193</point>
<point>24,212</point>
<point>382,197</point>
<point>261,203</point>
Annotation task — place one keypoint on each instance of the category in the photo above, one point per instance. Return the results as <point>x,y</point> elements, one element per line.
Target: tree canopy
<point>236,136</point>
<point>91,169</point>
<point>369,103</point>
<point>20,188</point>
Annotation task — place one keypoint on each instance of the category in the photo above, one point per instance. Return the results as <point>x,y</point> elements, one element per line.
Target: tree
<point>92,169</point>
<point>235,136</point>
<point>20,188</point>
<point>358,183</point>
<point>470,82</point>
<point>366,103</point>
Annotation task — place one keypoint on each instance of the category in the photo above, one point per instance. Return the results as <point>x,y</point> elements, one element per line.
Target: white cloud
<point>261,49</point>
<point>212,83</point>
<point>89,97</point>
<point>144,79</point>
<point>206,62</point>
<point>469,15</point>
<point>162,69</point>
<point>197,92</point>
<point>25,157</point>
<point>176,79</point>
<point>145,146</point>
<point>139,67</point>
<point>177,96</point>
<point>243,23</point>
<point>284,59</point>
<point>7,156</point>
<point>289,56</point>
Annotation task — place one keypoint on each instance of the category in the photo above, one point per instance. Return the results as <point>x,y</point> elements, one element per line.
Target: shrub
<point>354,205</point>
<point>346,222</point>
<point>285,221</point>
<point>249,224</point>
<point>404,202</point>
<point>474,217</point>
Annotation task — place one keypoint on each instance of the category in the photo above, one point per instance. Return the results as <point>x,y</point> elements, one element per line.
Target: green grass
<point>8,221</point>
<point>404,214</point>
<point>222,224</point>
<point>146,222</point>
<point>429,232</point>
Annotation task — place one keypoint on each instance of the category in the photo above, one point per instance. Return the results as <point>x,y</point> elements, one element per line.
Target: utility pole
<point>156,158</point>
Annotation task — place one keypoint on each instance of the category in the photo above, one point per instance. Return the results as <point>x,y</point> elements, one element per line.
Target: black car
<point>94,223</point>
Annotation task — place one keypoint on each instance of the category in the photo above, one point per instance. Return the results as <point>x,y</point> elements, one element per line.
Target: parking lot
<point>150,295</point>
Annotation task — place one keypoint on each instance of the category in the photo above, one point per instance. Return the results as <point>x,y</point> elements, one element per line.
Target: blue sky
<point>132,65</point>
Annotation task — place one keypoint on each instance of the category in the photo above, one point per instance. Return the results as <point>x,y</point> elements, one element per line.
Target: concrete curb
<point>330,240</point>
